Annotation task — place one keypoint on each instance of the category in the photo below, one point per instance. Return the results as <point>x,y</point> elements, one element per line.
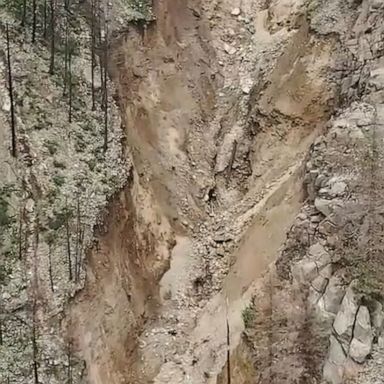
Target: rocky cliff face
<point>218,187</point>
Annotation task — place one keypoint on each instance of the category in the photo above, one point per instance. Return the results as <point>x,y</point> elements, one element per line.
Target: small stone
<point>236,11</point>
<point>316,219</point>
<point>6,105</point>
<point>6,296</point>
<point>246,89</point>
<point>302,216</point>
<point>229,49</point>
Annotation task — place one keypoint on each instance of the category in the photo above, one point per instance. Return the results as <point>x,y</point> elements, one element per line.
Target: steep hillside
<point>183,179</point>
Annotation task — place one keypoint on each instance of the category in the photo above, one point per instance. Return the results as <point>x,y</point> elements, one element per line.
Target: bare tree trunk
<point>78,238</point>
<point>33,21</point>
<point>69,363</point>
<point>93,58</point>
<point>66,56</point>
<point>50,267</point>
<point>21,233</point>
<point>34,346</point>
<point>228,349</point>
<point>80,252</point>
<point>1,331</point>
<point>101,55</point>
<point>10,85</point>
<point>53,22</point>
<point>35,350</point>
<point>70,86</point>
<point>45,19</point>
<point>70,275</point>
<point>24,17</point>
<point>106,89</point>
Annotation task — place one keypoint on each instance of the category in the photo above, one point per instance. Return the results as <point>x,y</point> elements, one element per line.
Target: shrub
<point>248,316</point>
<point>59,180</point>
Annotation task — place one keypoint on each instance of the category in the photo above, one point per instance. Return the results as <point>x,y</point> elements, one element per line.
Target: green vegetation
<point>59,219</point>
<point>249,316</point>
<point>5,194</point>
<point>143,9</point>
<point>51,146</point>
<point>59,180</point>
<point>59,164</point>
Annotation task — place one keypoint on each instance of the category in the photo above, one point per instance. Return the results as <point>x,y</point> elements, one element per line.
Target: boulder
<point>319,283</point>
<point>359,351</point>
<point>336,353</point>
<point>324,206</point>
<point>318,253</point>
<point>304,271</point>
<point>377,317</point>
<point>345,318</point>
<point>338,188</point>
<point>361,345</point>
<point>376,4</point>
<point>332,373</point>
<point>334,366</point>
<point>333,296</point>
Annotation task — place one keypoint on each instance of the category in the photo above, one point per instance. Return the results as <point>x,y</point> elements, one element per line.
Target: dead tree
<point>21,216</point>
<point>34,11</point>
<point>70,85</point>
<point>78,238</point>
<point>68,235</point>
<point>10,89</point>
<point>228,349</point>
<point>50,267</point>
<point>35,350</point>
<point>101,57</point>
<point>53,31</point>
<point>93,53</point>
<point>24,16</point>
<point>66,56</point>
<point>69,363</point>
<point>45,19</point>
<point>105,93</point>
